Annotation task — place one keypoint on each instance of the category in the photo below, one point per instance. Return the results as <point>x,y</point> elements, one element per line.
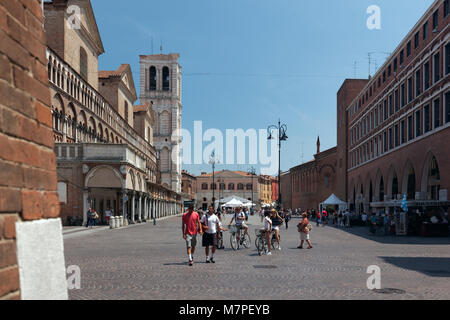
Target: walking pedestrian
<point>210,224</point>
<point>190,225</point>
<point>88,215</point>
<point>268,231</point>
<point>287,217</point>
<point>324,217</point>
<point>304,228</point>
<point>108,215</point>
<point>318,218</point>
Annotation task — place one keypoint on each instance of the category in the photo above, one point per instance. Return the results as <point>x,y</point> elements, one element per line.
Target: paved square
<point>150,262</point>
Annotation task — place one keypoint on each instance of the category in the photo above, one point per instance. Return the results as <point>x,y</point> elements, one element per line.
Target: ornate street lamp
<point>213,161</point>
<point>282,129</point>
<point>252,172</point>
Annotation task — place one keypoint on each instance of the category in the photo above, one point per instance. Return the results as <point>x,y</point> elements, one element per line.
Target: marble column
<point>140,208</point>
<point>85,204</point>
<point>132,208</point>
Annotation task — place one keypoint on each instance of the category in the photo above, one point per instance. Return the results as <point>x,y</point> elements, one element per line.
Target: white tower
<point>161,86</point>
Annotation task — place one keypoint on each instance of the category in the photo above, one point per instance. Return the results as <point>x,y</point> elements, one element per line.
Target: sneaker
<point>279,248</point>
<point>212,260</point>
<point>207,260</point>
<point>269,253</point>
<point>191,263</point>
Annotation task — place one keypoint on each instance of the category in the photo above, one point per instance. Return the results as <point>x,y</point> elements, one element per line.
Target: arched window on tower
<point>152,78</point>
<point>166,79</point>
<point>83,64</point>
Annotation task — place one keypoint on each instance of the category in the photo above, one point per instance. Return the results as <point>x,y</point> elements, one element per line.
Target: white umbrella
<point>233,203</point>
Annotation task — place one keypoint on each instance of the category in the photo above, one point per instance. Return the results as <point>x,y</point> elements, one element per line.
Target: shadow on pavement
<point>412,240</point>
<point>433,267</point>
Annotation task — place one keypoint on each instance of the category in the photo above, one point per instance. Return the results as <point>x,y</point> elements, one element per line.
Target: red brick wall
<point>27,162</point>
<point>348,91</point>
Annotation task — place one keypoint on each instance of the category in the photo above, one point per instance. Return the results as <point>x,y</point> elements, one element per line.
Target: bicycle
<point>237,238</point>
<point>261,242</point>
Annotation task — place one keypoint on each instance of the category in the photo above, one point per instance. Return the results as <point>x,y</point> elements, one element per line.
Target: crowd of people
<point>210,226</point>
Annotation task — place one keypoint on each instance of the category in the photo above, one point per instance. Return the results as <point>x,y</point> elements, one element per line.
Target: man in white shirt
<point>239,218</point>
<point>364,218</point>
<point>210,224</point>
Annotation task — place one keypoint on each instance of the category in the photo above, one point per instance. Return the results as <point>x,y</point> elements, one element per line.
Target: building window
<point>152,78</point>
<point>166,79</point>
<point>435,19</point>
<point>408,49</point>
<point>391,106</point>
<point>402,94</point>
<point>416,40</point>
<point>231,186</point>
<point>425,30</point>
<point>418,83</point>
<point>213,186</point>
<point>418,124</point>
<point>249,186</point>
<point>83,64</point>
<point>446,8</point>
<point>385,110</point>
<point>436,67</point>
<point>396,101</point>
<point>396,140</point>
<point>426,76</point>
<point>447,107</point>
<point>385,142</point>
<point>401,58</point>
<point>240,186</point>
<point>402,132</point>
<point>410,128</point>
<point>447,58</point>
<point>437,113</point>
<point>389,70</point>
<point>426,118</point>
<point>384,76</point>
<point>126,111</point>
<point>390,138</point>
<point>204,187</point>
<point>410,90</point>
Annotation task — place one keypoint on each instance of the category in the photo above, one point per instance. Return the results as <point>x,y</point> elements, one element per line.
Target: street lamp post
<point>252,172</point>
<point>212,162</point>
<point>282,129</point>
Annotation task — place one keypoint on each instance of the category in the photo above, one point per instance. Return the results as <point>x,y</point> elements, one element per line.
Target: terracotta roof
<point>104,74</point>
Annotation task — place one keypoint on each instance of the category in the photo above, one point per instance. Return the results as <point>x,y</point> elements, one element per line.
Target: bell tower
<point>160,85</point>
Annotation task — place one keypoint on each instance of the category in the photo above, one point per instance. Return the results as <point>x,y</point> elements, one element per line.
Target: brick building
<point>311,182</point>
<point>397,125</point>
<point>31,246</point>
<point>226,183</point>
<point>188,187</point>
<point>104,144</point>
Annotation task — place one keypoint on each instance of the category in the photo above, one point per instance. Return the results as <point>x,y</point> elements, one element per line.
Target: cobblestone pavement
<point>150,262</point>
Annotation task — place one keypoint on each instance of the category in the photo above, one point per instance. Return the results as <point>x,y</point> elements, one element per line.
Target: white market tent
<point>334,201</point>
<point>233,203</point>
<point>219,203</point>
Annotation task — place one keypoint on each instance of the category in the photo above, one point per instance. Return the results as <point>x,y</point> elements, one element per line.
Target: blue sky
<point>266,59</point>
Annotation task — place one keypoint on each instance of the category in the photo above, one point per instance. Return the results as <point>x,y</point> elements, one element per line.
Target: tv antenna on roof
<point>161,47</point>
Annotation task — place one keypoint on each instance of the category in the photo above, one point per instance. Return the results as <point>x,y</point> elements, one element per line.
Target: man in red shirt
<point>190,226</point>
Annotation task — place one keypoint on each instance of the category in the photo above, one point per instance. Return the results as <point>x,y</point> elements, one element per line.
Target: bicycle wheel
<point>260,245</point>
<point>233,242</point>
<point>246,241</point>
<point>275,242</point>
